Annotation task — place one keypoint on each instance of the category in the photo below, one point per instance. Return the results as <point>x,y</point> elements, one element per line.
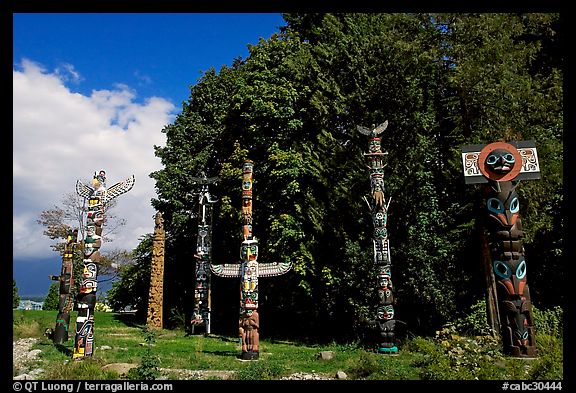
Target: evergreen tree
<point>52,300</point>
<point>15,296</point>
<point>442,81</point>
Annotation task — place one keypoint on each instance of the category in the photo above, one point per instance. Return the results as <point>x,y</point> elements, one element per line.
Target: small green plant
<point>364,366</point>
<point>148,368</point>
<point>260,370</point>
<point>549,322</point>
<point>85,369</point>
<point>475,323</point>
<point>549,365</point>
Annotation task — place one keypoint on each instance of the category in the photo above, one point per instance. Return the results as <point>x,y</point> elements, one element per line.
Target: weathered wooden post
<point>385,322</point>
<point>500,166</point>
<point>98,197</point>
<point>66,279</point>
<point>249,270</point>
<point>200,320</point>
<point>156,290</point>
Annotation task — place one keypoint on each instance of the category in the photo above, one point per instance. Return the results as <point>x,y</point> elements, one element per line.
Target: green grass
<point>419,358</point>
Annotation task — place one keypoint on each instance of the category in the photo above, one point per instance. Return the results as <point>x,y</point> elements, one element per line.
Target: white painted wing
<point>227,270</point>
<point>120,188</point>
<point>83,190</point>
<point>273,269</point>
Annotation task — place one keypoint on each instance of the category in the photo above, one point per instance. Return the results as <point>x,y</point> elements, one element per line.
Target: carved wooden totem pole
<point>156,290</point>
<point>201,314</point>
<point>249,270</point>
<point>385,322</point>
<point>66,279</point>
<point>98,197</point>
<point>501,166</point>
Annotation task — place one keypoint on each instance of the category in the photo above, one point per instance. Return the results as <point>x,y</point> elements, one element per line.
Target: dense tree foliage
<point>442,81</point>
<point>131,291</point>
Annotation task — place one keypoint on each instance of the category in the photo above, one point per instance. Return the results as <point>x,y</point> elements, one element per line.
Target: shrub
<point>102,307</point>
<point>260,370</point>
<point>364,365</point>
<point>475,323</point>
<point>148,367</point>
<point>549,365</point>
<point>549,322</point>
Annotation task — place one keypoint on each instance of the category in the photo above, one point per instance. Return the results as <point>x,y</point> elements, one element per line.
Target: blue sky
<point>93,91</point>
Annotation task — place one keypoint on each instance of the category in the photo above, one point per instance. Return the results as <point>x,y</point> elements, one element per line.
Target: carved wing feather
<point>120,188</point>
<point>375,131</point>
<point>227,270</point>
<point>381,128</point>
<point>273,269</point>
<point>83,190</point>
<point>364,130</point>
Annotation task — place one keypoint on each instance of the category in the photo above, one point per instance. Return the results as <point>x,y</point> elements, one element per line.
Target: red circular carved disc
<point>499,176</point>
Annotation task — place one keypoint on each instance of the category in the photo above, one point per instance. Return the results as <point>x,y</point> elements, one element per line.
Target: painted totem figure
<point>249,270</point>
<point>98,197</point>
<point>156,291</point>
<point>502,165</point>
<point>202,305</point>
<point>66,279</point>
<point>385,322</point>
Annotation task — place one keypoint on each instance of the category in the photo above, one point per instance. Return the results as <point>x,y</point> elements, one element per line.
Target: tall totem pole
<point>66,279</point>
<point>98,197</point>
<point>249,270</point>
<point>386,324</point>
<point>156,291</point>
<point>202,305</point>
<point>501,166</point>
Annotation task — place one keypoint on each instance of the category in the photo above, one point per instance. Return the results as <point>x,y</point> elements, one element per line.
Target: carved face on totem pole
<point>500,162</point>
<point>504,206</point>
<point>249,289</point>
<point>518,313</point>
<point>99,180</point>
<point>511,276</point>
<point>385,312</point>
<point>374,146</point>
<point>249,250</point>
<point>201,273</point>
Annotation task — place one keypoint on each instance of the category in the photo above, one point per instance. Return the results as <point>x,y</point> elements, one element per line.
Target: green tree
<point>131,290</point>
<point>442,81</point>
<point>52,300</point>
<point>15,296</point>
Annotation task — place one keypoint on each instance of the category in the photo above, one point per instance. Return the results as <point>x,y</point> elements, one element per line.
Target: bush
<point>549,322</point>
<point>102,307</point>
<point>549,365</point>
<point>475,323</point>
<point>260,370</point>
<point>148,367</point>
<point>364,366</point>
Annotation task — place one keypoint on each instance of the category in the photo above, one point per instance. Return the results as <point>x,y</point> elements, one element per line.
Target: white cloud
<point>61,136</point>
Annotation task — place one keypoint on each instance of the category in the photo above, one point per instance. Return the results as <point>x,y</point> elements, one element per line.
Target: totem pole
<point>201,313</point>
<point>249,270</point>
<point>98,197</point>
<point>501,166</point>
<point>386,324</point>
<point>156,290</point>
<point>66,279</point>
